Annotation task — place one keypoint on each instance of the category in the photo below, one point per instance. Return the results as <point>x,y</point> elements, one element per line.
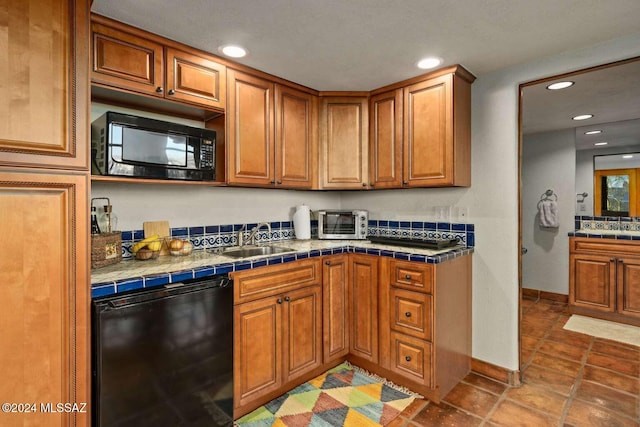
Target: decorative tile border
<point>423,230</point>
<point>606,223</point>
<point>115,287</point>
<point>220,236</point>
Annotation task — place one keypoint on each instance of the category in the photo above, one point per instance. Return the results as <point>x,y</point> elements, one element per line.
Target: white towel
<point>548,210</point>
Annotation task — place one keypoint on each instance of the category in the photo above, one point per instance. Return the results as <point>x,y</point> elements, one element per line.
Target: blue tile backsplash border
<point>223,235</point>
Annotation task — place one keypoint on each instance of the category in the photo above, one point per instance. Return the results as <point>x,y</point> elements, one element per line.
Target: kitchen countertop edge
<point>132,275</point>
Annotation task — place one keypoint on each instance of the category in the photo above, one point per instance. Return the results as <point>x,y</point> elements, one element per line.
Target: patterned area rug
<point>343,396</point>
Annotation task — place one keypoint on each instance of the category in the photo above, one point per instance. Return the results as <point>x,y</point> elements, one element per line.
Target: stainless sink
<point>250,250</point>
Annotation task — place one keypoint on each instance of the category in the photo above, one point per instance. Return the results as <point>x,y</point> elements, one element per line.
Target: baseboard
<point>550,296</point>
<point>495,372</point>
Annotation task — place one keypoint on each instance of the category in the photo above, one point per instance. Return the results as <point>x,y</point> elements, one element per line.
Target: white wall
<point>584,174</point>
<point>492,199</point>
<point>548,162</point>
<point>185,206</point>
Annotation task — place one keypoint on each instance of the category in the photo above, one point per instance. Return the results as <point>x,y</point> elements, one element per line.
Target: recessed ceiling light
<point>627,156</point>
<point>428,63</point>
<point>601,143</point>
<point>583,117</point>
<point>233,51</point>
<point>593,132</point>
<point>560,85</point>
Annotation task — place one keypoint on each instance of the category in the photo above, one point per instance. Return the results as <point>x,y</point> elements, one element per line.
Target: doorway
<point>556,156</point>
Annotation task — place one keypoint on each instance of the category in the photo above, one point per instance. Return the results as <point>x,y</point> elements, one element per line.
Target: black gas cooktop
<point>417,243</point>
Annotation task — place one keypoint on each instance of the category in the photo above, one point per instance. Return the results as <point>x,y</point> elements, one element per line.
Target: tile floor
<point>569,379</point>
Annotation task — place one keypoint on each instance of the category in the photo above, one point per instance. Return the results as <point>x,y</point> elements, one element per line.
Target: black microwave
<point>132,146</point>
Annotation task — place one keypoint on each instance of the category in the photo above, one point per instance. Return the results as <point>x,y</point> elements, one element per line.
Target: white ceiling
<point>366,44</point>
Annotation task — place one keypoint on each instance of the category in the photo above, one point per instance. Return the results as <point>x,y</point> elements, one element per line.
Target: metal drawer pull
<point>287,299</point>
<point>408,277</point>
<point>408,358</point>
<point>408,314</point>
<point>279,301</point>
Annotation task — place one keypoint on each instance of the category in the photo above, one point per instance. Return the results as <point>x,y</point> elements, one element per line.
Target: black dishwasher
<point>164,356</point>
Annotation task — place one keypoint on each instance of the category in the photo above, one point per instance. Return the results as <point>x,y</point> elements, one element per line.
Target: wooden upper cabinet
<point>385,140</point>
<point>295,132</point>
<point>195,79</point>
<point>127,61</point>
<point>130,59</point>
<point>250,135</point>
<point>344,142</point>
<point>437,132</point>
<point>44,107</point>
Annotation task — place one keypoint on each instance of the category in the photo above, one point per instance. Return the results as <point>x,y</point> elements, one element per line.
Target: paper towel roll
<point>302,222</point>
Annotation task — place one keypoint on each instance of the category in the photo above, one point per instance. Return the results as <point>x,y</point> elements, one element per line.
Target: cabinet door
<point>44,69</point>
<point>428,133</point>
<point>126,60</point>
<point>295,130</point>
<point>629,286</point>
<point>363,301</point>
<point>257,332</point>
<point>592,282</point>
<point>302,332</point>
<point>343,142</point>
<point>335,296</point>
<point>385,140</point>
<point>196,79</point>
<point>250,130</point>
<point>45,293</point>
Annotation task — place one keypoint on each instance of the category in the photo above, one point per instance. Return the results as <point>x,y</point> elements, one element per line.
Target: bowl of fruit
<point>179,247</point>
<point>148,248</point>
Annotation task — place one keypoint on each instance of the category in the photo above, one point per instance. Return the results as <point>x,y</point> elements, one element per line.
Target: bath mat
<point>343,396</point>
<point>604,329</point>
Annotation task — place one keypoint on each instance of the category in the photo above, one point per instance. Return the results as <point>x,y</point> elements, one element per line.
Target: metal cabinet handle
<point>279,182</point>
<point>159,89</point>
<point>612,260</point>
<point>404,182</point>
<point>172,92</point>
<point>273,181</point>
<point>287,299</point>
<point>279,301</point>
<point>327,262</point>
<point>408,314</point>
<point>408,277</point>
<point>408,358</point>
<point>364,184</point>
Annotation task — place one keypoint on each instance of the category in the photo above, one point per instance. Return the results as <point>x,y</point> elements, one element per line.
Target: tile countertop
<point>133,274</point>
<point>606,234</point>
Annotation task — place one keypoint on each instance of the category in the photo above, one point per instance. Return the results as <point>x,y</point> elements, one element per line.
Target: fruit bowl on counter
<point>148,248</point>
<point>179,247</point>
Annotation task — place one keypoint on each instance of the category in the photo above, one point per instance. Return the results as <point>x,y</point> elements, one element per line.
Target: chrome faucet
<point>254,232</point>
<point>241,235</point>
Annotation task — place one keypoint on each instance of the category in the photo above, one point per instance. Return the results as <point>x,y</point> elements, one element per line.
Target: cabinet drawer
<point>607,246</point>
<point>411,313</point>
<point>260,282</point>
<point>411,275</point>
<point>411,358</point>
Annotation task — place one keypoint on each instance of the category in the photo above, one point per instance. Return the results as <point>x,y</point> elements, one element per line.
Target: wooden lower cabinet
<point>425,324</point>
<point>407,321</point>
<point>335,306</point>
<point>277,335</point>
<point>363,305</point>
<point>604,279</point>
